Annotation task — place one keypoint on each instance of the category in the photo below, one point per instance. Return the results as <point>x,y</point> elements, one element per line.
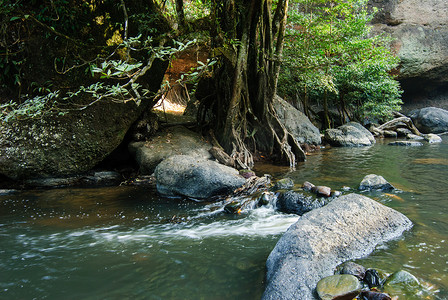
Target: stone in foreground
<point>197,178</point>
<point>338,286</point>
<point>348,228</point>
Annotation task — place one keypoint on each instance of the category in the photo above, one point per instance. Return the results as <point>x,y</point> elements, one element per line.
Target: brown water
<point>127,243</point>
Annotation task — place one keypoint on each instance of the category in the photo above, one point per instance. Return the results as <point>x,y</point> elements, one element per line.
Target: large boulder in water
<point>71,144</point>
<point>176,140</point>
<point>296,122</point>
<point>64,145</point>
<point>430,119</point>
<point>348,228</point>
<point>351,134</point>
<point>197,178</point>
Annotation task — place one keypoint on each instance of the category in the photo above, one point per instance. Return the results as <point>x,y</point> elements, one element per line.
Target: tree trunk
<point>180,12</point>
<point>249,40</point>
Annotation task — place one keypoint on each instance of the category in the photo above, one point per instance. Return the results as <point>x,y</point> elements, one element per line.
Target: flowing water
<point>127,243</point>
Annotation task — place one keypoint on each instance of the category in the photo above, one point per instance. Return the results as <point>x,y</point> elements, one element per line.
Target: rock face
<point>193,177</point>
<point>430,119</point>
<point>347,228</point>
<point>64,145</point>
<point>351,134</point>
<point>296,122</point>
<point>172,141</point>
<point>421,31</point>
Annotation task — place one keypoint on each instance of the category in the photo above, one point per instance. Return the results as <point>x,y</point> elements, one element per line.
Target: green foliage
<point>330,55</point>
<point>52,103</point>
<point>196,9</point>
<point>31,108</point>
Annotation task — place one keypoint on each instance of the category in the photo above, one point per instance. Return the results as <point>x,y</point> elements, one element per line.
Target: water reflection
<point>126,242</point>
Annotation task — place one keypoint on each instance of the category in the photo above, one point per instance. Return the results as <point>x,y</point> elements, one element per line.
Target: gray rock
<point>390,134</point>
<point>308,186</point>
<point>95,178</point>
<point>60,146</point>
<point>414,137</point>
<point>375,182</point>
<point>338,286</point>
<point>432,138</point>
<point>296,122</point>
<point>402,283</point>
<point>349,135</point>
<point>352,268</point>
<point>430,119</point>
<point>297,203</point>
<point>284,184</point>
<point>197,178</point>
<point>406,143</point>
<point>176,140</point>
<point>403,132</point>
<point>348,228</point>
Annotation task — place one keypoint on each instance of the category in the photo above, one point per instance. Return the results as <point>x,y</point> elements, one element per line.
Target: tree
<point>331,56</point>
<point>248,43</point>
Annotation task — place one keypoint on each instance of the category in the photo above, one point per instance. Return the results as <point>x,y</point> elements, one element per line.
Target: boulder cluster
<point>353,280</point>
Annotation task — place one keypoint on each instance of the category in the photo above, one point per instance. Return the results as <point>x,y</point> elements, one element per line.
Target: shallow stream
<point>127,243</point>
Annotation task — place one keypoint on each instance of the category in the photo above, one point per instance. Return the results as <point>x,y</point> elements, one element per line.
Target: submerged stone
<point>406,143</point>
<point>233,207</point>
<point>402,283</point>
<point>340,286</point>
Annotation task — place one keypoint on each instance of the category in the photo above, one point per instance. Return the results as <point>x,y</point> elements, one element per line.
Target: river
<point>128,243</point>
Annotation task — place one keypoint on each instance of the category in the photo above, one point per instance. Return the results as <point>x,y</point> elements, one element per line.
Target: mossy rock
<point>403,283</point>
<point>342,286</point>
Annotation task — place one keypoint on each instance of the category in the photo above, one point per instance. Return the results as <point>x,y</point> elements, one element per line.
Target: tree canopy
<point>331,57</point>
<point>51,52</point>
